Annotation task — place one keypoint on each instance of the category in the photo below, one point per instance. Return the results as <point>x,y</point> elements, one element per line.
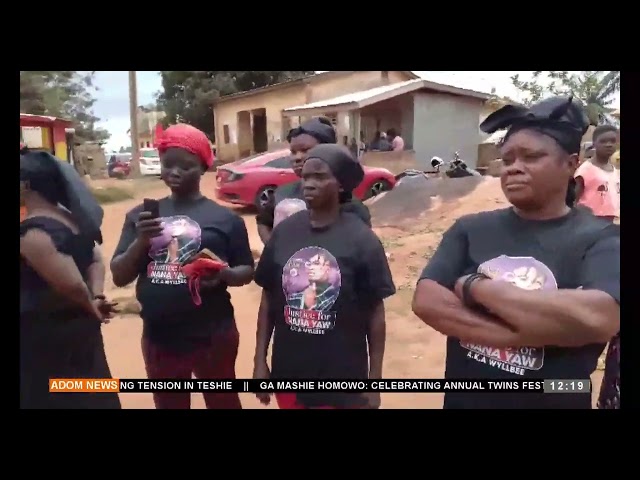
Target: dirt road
<point>412,350</point>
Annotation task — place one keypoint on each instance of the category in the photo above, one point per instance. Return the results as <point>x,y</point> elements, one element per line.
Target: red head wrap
<point>188,138</point>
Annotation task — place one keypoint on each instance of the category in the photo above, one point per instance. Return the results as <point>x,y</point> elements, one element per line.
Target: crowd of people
<point>527,292</point>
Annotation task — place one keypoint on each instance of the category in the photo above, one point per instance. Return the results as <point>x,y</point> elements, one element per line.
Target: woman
<point>311,133</point>
<point>531,291</point>
<point>62,302</point>
<point>597,180</point>
<point>324,276</point>
<point>187,329</point>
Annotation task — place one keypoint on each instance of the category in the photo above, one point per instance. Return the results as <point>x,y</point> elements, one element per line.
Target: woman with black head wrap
<point>62,302</point>
<point>301,139</point>
<point>324,277</point>
<point>531,291</point>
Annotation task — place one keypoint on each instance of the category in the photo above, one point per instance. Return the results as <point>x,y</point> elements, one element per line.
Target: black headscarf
<point>323,132</point>
<point>59,183</point>
<point>347,171</point>
<point>561,118</point>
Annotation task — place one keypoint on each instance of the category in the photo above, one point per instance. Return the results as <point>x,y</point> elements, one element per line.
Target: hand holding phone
<point>152,206</point>
<point>149,225</point>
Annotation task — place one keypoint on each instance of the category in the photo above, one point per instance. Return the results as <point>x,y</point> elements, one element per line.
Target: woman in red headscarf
<point>189,326</point>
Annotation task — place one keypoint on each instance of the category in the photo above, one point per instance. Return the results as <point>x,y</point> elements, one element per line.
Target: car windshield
<point>149,153</point>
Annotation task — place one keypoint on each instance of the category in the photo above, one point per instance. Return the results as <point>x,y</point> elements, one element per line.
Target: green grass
<point>111,194</point>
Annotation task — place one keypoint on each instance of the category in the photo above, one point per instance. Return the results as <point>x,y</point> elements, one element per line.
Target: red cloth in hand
<point>195,270</point>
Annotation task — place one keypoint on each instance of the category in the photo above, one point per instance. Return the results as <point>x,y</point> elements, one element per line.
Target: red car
<point>252,180</point>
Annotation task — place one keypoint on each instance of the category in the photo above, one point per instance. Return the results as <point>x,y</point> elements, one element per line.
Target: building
<point>432,118</point>
<point>254,121</point>
<point>148,121</point>
<point>47,133</point>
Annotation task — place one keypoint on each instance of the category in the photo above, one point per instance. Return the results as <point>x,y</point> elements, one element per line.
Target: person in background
<point>380,143</point>
<point>397,143</point>
<point>301,139</point>
<point>354,149</point>
<point>597,180</point>
<point>324,276</point>
<point>598,189</point>
<point>186,330</point>
<point>62,301</point>
<point>531,291</point>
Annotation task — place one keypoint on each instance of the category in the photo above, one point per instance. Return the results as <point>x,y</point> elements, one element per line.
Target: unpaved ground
<point>413,350</point>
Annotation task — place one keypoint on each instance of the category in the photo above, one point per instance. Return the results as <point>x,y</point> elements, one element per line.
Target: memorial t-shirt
<point>578,250</point>
<point>170,316</point>
<point>322,286</point>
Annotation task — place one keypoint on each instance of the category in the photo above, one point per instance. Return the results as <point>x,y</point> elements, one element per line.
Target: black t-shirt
<point>170,316</point>
<point>293,191</point>
<point>322,285</point>
<point>577,250</point>
<point>36,296</point>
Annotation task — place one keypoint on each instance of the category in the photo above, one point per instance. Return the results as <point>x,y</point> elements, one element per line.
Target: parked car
<point>149,161</point>
<point>119,164</point>
<point>252,180</point>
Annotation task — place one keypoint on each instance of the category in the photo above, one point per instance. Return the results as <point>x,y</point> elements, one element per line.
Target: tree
<point>188,96</point>
<point>62,94</point>
<point>594,88</point>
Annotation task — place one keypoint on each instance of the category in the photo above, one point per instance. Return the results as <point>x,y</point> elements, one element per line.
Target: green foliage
<point>62,94</point>
<point>111,194</point>
<point>188,96</point>
<point>594,88</point>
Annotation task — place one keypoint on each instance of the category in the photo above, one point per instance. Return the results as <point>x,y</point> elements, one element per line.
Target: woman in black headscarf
<point>531,291</point>
<point>62,302</point>
<point>301,139</point>
<point>324,276</point>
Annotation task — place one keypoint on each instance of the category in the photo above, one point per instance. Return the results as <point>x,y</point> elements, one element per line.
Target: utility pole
<point>133,112</point>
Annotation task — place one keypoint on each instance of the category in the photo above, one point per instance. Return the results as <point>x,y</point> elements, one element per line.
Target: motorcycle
<point>457,168</point>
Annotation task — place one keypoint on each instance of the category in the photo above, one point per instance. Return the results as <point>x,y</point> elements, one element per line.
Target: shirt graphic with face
<point>179,241</point>
<point>522,272</point>
<point>311,283</point>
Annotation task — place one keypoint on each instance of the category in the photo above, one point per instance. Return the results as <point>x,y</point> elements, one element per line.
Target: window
<point>225,131</point>
<point>150,153</point>
<point>282,162</point>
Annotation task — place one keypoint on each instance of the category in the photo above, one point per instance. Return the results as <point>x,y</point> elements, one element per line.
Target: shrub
<point>111,194</point>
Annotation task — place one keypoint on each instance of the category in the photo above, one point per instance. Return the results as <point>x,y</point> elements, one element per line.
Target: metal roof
<point>288,83</point>
<point>43,118</point>
<point>369,97</point>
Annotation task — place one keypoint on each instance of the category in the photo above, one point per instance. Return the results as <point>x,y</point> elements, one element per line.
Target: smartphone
<point>152,206</point>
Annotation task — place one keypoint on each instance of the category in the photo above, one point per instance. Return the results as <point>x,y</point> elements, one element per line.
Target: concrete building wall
<point>444,124</point>
<point>276,100</point>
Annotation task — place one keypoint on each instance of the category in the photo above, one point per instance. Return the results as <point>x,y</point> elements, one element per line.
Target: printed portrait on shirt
<point>180,240</point>
<point>311,283</point>
<point>526,273</point>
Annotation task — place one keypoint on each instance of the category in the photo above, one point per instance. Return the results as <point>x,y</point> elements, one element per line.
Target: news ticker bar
<point>137,385</point>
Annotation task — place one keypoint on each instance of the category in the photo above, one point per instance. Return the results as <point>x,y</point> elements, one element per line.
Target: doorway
<point>260,140</point>
<point>245,143</point>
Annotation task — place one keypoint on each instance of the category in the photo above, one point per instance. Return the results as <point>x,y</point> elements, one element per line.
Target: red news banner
<point>87,385</point>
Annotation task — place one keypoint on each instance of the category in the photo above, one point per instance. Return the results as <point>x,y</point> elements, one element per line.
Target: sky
<point>112,97</point>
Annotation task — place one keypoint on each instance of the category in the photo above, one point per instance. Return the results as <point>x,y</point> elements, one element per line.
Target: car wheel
<point>264,196</point>
<point>379,186</point>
